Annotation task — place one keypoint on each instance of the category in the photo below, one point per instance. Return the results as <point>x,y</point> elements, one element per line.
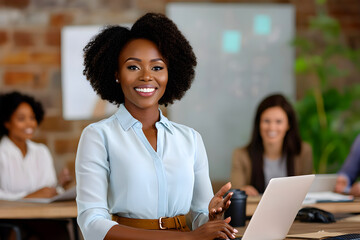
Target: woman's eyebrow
<point>139,60</point>
<point>156,59</point>
<point>133,58</point>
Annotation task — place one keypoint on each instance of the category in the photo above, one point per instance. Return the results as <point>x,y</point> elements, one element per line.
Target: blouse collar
<point>127,120</point>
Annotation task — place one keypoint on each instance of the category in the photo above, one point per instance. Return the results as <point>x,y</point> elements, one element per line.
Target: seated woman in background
<point>350,171</point>
<point>275,149</point>
<point>26,167</point>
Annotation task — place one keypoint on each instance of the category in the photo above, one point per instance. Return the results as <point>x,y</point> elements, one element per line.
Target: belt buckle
<point>160,224</point>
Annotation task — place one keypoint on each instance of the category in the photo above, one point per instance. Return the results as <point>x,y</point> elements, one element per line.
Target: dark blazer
<point>351,167</point>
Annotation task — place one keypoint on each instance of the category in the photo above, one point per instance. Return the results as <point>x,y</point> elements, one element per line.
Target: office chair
<point>5,229</point>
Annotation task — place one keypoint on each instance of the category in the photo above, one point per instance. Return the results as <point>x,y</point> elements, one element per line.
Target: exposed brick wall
<point>30,55</point>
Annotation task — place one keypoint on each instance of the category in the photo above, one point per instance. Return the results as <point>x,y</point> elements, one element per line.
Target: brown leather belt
<point>163,223</point>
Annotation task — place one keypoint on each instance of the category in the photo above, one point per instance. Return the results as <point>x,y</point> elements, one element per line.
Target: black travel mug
<point>237,209</point>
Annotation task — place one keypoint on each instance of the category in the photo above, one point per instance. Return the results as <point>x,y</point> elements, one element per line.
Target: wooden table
<point>339,226</point>
<point>67,209</point>
<point>29,210</point>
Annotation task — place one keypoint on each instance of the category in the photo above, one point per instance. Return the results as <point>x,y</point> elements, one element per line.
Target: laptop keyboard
<point>351,236</point>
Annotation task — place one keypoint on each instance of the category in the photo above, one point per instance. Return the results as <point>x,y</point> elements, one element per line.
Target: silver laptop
<point>278,207</point>
<point>323,183</point>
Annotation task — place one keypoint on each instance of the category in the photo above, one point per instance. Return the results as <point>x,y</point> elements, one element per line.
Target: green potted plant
<point>329,115</point>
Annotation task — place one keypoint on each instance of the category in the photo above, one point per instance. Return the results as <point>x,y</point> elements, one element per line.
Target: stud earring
<point>117,80</point>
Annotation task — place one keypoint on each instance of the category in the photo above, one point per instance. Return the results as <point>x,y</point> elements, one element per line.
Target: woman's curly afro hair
<point>9,102</point>
<point>102,52</point>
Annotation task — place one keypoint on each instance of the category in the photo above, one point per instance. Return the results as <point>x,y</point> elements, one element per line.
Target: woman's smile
<point>29,131</point>
<point>145,91</point>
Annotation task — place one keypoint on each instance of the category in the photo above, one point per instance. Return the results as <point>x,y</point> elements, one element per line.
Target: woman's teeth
<point>145,89</point>
<point>272,134</point>
<point>29,131</point>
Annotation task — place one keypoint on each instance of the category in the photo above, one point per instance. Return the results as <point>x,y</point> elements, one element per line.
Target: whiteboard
<point>244,54</point>
<point>80,101</point>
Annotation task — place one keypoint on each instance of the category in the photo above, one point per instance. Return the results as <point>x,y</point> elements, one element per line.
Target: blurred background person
<point>275,148</point>
<point>26,167</point>
<point>350,171</point>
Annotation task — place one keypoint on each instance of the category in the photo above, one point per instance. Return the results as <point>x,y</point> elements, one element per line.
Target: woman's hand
<point>218,204</point>
<point>341,184</point>
<point>250,190</point>
<point>355,189</point>
<point>214,229</point>
<point>46,192</point>
<point>64,177</point>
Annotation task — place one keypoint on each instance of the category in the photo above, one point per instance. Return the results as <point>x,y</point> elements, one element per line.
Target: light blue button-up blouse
<point>118,172</point>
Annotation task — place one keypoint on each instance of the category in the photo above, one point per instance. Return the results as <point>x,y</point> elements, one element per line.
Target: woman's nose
<point>31,122</point>
<point>272,125</point>
<point>147,75</point>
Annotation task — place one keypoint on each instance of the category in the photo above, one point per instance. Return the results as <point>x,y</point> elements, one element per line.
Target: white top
<point>19,175</point>
<point>118,172</point>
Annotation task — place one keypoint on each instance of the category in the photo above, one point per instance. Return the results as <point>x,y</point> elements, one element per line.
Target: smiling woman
<point>26,167</point>
<point>136,167</point>
<point>20,157</point>
<point>275,148</point>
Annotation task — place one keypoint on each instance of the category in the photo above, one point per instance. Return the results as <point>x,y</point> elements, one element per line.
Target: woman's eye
<point>157,68</point>
<point>132,67</point>
<point>21,118</point>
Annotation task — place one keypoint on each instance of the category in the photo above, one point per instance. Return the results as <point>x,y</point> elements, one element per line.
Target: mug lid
<point>237,194</point>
